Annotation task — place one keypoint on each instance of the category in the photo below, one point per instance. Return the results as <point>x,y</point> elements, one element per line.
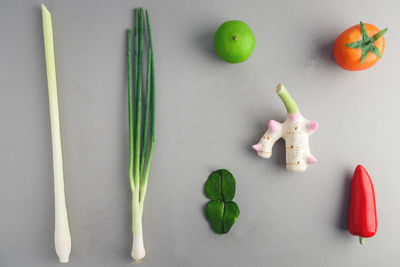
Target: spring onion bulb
<point>140,127</point>
<point>62,236</point>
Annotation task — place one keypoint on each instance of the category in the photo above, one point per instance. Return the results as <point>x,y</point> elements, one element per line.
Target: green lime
<point>234,41</point>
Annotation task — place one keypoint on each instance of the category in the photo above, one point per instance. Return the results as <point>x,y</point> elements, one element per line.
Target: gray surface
<point>208,115</point>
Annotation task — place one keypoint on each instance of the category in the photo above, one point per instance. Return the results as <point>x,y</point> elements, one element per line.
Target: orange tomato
<point>350,58</point>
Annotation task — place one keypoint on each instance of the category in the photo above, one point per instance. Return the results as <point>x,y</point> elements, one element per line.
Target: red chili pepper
<point>362,213</point>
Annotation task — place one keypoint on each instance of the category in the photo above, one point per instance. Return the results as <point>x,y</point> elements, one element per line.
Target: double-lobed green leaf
<point>220,185</point>
<point>222,215</point>
<point>221,211</point>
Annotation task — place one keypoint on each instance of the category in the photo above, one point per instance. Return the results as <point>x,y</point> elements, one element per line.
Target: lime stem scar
<point>234,37</point>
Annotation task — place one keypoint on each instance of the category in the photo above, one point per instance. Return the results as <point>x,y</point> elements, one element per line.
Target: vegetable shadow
<point>345,203</point>
<point>203,209</point>
<point>279,153</point>
<point>324,50</point>
<point>205,42</point>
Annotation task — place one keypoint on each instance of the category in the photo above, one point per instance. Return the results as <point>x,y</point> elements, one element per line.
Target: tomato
<point>368,44</point>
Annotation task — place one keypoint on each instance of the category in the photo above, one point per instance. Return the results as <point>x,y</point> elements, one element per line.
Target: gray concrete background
<point>208,114</point>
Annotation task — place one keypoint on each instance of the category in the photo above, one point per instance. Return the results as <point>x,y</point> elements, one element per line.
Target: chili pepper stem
<point>362,240</point>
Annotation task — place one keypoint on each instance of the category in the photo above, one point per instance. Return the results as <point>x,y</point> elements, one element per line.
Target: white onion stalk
<point>62,236</point>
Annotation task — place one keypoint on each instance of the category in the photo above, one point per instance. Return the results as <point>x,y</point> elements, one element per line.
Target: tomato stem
<point>379,34</point>
<point>362,240</point>
<point>367,43</point>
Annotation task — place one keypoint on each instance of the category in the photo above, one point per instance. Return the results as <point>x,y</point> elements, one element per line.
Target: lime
<point>234,41</point>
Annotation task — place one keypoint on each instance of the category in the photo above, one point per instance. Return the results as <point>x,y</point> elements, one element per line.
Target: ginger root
<point>295,130</point>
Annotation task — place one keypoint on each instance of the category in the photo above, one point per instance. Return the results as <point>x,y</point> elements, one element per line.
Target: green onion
<point>140,150</point>
<point>62,236</point>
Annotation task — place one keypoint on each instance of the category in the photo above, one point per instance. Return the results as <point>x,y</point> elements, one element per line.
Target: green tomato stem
<point>379,34</point>
<point>367,43</point>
